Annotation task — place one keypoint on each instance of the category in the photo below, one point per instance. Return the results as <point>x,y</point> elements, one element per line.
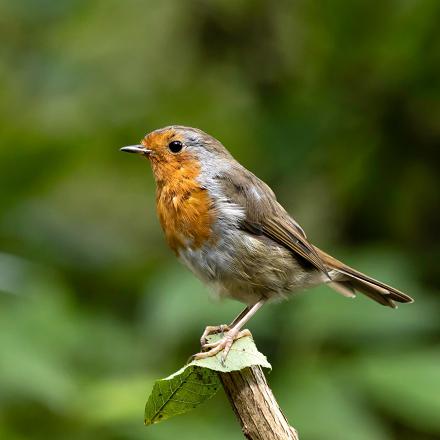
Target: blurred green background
<point>335,104</point>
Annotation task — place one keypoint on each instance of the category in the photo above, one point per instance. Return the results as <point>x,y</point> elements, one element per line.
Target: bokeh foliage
<point>335,104</point>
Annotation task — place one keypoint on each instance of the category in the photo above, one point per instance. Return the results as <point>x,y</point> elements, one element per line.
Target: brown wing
<point>283,232</point>
<point>265,216</point>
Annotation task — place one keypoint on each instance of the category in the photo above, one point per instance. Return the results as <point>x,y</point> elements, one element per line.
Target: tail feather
<point>345,288</point>
<point>346,279</point>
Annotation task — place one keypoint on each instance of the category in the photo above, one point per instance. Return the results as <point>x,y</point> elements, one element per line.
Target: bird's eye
<point>175,146</point>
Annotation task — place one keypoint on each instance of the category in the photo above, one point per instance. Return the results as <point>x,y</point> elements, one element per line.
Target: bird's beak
<point>138,149</point>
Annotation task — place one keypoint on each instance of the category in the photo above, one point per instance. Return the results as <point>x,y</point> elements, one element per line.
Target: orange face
<point>183,205</point>
<point>169,158</point>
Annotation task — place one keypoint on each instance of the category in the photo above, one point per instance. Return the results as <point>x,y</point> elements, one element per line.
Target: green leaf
<point>243,354</point>
<point>180,392</point>
<point>198,381</point>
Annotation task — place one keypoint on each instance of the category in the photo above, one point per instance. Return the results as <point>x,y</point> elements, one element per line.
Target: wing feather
<point>265,216</point>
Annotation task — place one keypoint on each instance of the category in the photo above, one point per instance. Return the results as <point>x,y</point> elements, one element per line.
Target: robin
<point>228,228</point>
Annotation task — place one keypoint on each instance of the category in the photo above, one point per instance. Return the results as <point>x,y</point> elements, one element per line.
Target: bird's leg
<point>234,333</point>
<point>240,316</point>
<point>214,329</point>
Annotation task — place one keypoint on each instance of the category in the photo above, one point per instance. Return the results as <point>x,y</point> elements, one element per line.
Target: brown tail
<point>346,280</point>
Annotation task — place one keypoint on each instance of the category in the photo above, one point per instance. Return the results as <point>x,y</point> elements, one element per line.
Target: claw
<point>211,330</point>
<point>225,344</point>
<point>226,349</point>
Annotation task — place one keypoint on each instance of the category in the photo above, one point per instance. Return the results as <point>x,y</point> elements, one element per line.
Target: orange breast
<point>184,209</point>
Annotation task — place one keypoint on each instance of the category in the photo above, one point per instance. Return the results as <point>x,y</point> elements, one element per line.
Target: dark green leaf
<point>180,392</point>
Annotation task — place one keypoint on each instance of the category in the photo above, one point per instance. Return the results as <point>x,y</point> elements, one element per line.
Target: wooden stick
<point>255,406</point>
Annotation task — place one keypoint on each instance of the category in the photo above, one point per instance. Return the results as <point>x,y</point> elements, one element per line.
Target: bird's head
<point>177,150</point>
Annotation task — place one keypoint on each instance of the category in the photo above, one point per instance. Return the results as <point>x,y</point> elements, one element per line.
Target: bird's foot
<point>225,344</point>
<point>212,330</point>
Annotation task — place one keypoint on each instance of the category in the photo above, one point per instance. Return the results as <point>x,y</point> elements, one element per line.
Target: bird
<point>227,226</point>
